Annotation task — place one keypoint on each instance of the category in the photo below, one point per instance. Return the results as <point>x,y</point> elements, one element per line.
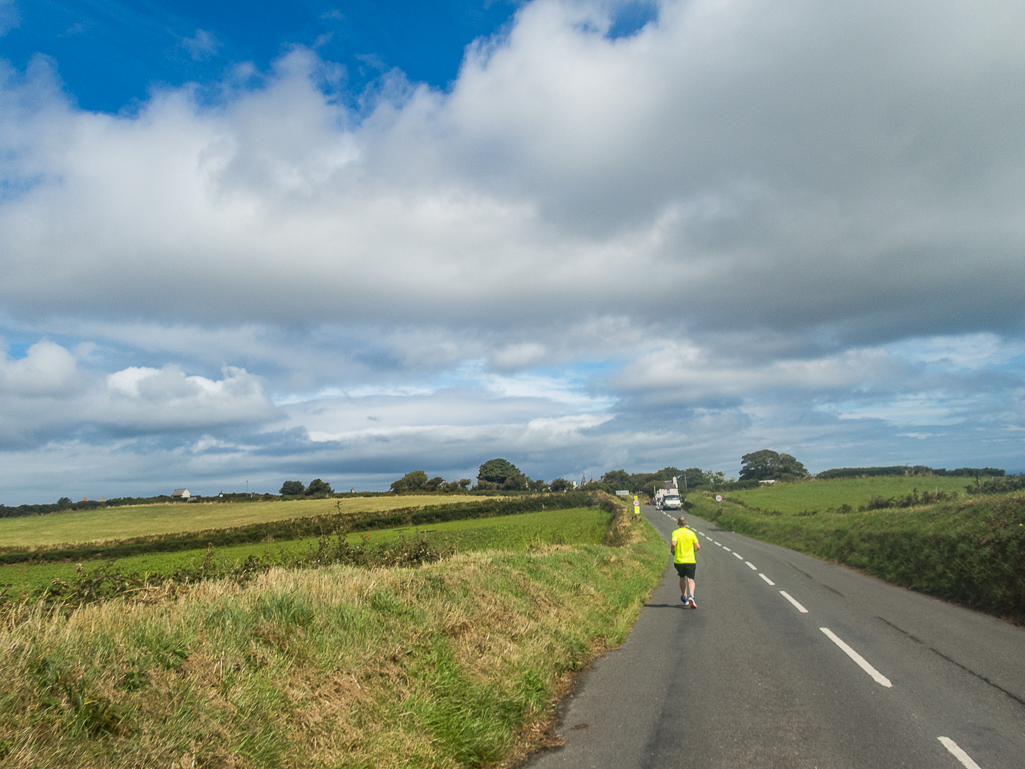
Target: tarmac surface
<point>792,662</point>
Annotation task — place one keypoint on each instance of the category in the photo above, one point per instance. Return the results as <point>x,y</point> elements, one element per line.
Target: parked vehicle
<point>668,498</point>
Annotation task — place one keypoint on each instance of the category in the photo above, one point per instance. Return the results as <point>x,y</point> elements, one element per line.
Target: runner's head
<point>682,521</point>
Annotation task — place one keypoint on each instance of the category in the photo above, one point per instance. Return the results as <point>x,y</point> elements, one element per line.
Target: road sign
<point>718,497</point>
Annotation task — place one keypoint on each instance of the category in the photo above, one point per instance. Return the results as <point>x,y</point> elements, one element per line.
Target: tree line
<point>501,475</point>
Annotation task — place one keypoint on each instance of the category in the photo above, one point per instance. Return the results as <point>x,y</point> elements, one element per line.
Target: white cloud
<point>726,153</point>
<point>46,370</point>
<point>783,217</point>
<point>156,399</point>
<point>518,356</point>
<point>961,353</point>
<point>45,395</point>
<point>203,45</point>
<point>687,373</point>
<point>905,412</point>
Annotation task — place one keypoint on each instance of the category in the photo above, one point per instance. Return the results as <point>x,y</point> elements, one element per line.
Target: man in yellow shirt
<point>683,545</point>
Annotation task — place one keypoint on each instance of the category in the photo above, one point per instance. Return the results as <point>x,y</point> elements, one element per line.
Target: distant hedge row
<point>300,528</point>
<point>997,485</point>
<point>901,470</point>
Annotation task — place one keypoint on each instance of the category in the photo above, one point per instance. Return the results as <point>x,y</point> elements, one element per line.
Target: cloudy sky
<point>352,239</point>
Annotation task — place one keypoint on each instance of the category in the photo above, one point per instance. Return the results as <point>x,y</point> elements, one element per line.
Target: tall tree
<point>414,481</point>
<point>497,471</point>
<point>292,488</point>
<point>619,480</point>
<point>318,486</point>
<point>769,465</point>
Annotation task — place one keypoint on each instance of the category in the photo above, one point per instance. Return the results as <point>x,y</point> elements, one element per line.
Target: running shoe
<point>690,602</point>
<point>683,599</point>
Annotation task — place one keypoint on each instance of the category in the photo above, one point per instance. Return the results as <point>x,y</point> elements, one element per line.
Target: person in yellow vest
<point>684,545</point>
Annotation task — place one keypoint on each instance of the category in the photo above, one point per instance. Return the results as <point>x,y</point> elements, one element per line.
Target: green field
<point>453,663</point>
<point>513,532</point>
<point>963,548</point>
<point>791,498</point>
<point>112,523</point>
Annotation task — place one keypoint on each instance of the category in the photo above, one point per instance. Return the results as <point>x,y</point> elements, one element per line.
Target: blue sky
<point>351,240</point>
<point>112,54</point>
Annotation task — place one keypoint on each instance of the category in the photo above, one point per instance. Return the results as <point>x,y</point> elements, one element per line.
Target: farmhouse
<point>180,495</point>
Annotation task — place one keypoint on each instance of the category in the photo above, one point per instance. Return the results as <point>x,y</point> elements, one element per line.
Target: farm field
<point>451,663</point>
<point>965,549</point>
<point>792,498</point>
<point>146,520</point>
<point>513,532</point>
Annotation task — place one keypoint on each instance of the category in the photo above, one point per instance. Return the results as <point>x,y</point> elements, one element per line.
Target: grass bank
<point>967,550</point>
<point>452,664</point>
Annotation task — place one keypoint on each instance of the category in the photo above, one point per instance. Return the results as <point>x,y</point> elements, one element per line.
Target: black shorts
<point>686,569</point>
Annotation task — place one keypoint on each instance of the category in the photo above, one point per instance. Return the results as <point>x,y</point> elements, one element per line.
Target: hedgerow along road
<point>792,662</point>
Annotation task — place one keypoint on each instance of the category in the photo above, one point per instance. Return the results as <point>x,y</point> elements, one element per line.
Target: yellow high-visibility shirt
<point>683,545</point>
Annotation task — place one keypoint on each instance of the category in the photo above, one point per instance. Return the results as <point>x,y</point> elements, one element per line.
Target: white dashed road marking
<point>959,754</point>
<point>878,677</point>
<point>751,565</point>
<point>767,579</point>
<point>790,598</point>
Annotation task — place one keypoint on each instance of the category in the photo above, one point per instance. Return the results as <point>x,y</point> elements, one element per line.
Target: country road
<point>792,662</point>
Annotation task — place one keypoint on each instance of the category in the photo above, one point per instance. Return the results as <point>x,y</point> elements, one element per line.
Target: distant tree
<point>768,465</point>
<point>63,503</point>
<point>464,483</point>
<point>497,471</point>
<point>516,482</point>
<point>714,479</point>
<point>560,484</point>
<point>619,480</point>
<point>318,487</point>
<point>292,488</point>
<point>695,478</point>
<point>434,484</point>
<point>414,481</point>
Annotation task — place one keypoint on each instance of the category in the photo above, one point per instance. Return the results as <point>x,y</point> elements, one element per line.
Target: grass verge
<point>969,551</point>
<point>449,664</point>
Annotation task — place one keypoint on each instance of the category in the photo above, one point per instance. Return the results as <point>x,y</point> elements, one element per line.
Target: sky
<point>347,240</point>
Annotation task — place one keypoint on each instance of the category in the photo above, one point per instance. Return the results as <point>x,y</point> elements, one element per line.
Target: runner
<point>683,545</point>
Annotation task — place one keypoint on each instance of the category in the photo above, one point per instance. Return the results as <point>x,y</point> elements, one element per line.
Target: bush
<point>997,485</point>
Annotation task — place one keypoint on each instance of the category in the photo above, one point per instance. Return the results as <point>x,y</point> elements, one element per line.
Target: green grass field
<point>514,532</point>
<point>791,498</point>
<point>967,549</point>
<point>453,663</point>
<point>113,523</point>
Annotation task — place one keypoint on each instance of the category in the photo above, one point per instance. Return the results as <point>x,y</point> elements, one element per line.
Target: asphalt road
<point>792,662</point>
